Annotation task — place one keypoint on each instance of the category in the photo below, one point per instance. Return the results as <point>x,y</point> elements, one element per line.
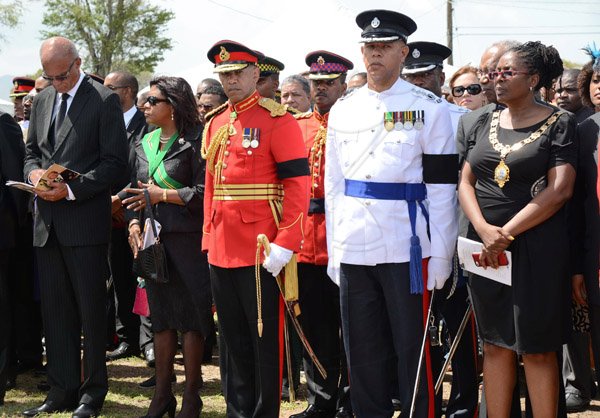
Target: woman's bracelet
<point>133,222</point>
<point>164,196</point>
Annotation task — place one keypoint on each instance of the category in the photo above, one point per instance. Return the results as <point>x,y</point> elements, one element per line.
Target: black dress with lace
<point>532,315</point>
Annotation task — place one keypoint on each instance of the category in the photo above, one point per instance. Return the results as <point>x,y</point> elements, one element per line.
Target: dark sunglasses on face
<point>153,100</point>
<point>507,74</point>
<point>61,77</point>
<point>473,90</point>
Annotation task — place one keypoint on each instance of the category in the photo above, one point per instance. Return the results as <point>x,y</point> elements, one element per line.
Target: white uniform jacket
<point>365,231</point>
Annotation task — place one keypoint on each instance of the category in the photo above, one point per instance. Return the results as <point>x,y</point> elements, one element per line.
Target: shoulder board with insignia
<point>427,95</point>
<point>276,109</point>
<point>215,112</point>
<point>348,93</point>
<point>304,115</point>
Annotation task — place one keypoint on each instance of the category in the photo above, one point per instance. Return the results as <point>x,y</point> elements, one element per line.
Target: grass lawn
<point>126,399</point>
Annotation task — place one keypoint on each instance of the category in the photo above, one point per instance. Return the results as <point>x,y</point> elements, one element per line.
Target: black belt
<point>316,206</point>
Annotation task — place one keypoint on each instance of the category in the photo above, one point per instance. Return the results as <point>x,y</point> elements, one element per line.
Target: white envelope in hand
<point>149,233</point>
<point>465,250</point>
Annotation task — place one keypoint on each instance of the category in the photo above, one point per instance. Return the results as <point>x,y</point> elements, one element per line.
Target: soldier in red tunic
<point>319,296</point>
<point>255,155</point>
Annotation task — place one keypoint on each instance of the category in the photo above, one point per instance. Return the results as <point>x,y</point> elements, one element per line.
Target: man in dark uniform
<point>424,68</point>
<point>268,82</point>
<point>319,296</point>
<point>255,154</point>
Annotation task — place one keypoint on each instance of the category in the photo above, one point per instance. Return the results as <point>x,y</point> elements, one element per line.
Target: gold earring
<point>172,118</point>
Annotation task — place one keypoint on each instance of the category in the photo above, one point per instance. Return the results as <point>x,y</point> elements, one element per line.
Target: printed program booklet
<point>54,173</point>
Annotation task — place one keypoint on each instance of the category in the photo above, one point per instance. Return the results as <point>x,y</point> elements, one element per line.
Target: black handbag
<point>151,262</point>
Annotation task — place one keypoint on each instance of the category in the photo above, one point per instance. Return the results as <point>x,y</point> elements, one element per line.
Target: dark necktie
<point>60,118</point>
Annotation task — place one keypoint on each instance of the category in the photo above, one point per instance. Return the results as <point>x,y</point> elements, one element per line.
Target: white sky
<point>289,30</point>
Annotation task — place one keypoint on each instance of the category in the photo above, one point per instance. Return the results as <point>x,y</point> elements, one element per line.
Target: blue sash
<point>413,193</point>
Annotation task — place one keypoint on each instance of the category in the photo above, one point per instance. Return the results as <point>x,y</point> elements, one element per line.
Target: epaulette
<point>214,112</point>
<point>427,95</point>
<point>276,109</point>
<point>292,110</point>
<point>349,93</point>
<point>304,115</point>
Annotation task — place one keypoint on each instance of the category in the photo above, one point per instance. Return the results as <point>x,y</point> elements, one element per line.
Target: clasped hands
<point>495,240</point>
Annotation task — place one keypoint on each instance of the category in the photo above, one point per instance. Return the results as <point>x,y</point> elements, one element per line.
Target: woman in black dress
<point>518,175</point>
<point>169,166</point>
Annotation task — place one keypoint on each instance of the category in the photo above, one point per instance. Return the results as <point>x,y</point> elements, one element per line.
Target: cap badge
<point>16,84</point>
<point>224,55</point>
<point>320,60</point>
<point>375,22</point>
<point>416,53</point>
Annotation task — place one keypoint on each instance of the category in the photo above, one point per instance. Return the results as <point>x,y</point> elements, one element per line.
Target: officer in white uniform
<point>390,180</point>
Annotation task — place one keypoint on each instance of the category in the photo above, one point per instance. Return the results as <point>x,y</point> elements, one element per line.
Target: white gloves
<point>438,271</point>
<point>278,258</point>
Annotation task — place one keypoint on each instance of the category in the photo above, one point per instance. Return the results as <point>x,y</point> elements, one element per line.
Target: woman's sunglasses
<point>473,90</point>
<point>153,100</point>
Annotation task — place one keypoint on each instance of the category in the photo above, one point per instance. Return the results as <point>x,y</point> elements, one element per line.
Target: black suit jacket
<point>184,164</point>
<point>91,141</point>
<point>583,213</point>
<point>136,130</point>
<point>13,202</point>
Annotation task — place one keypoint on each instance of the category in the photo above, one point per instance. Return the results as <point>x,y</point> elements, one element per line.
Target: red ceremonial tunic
<point>232,225</point>
<point>314,127</point>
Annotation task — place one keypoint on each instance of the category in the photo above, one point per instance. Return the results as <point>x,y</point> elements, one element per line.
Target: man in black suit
<point>122,292</point>
<point>13,211</point>
<point>584,225</point>
<point>79,124</point>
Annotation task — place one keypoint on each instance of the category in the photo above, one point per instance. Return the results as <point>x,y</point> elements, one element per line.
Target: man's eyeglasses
<point>507,74</point>
<point>61,77</point>
<point>110,86</point>
<point>153,100</point>
<point>473,90</point>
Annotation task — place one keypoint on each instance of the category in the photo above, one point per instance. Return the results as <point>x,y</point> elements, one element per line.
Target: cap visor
<point>418,70</point>
<point>382,39</point>
<point>325,76</point>
<point>226,68</point>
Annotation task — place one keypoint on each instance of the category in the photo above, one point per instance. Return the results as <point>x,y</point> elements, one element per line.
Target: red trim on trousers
<point>428,367</point>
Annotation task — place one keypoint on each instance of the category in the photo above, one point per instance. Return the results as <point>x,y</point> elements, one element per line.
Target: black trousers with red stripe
<point>380,320</point>
<point>250,365</point>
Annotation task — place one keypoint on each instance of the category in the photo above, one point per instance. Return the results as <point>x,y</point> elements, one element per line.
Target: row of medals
<point>404,120</point>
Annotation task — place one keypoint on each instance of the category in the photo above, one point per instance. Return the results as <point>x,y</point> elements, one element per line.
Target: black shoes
<point>149,356</point>
<point>313,412</point>
<point>169,409</point>
<point>151,382</point>
<point>48,407</point>
<point>85,411</point>
<point>122,351</point>
<point>575,403</point>
<point>343,413</point>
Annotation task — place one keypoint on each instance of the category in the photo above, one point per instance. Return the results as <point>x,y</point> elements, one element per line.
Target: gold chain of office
<point>502,172</point>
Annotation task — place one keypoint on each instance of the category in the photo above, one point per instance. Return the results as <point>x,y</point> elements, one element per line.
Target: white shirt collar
<point>127,116</point>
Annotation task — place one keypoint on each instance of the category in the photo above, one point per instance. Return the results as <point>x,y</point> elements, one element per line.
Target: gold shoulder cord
<point>502,172</point>
<point>316,156</point>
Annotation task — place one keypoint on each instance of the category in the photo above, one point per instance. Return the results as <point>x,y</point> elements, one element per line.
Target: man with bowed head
<point>77,123</point>
<point>390,176</point>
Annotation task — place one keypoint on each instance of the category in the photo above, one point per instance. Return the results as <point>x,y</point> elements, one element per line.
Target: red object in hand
<point>502,259</point>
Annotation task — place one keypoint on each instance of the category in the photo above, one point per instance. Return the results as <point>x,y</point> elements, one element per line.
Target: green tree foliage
<point>113,34</point>
<point>10,14</point>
